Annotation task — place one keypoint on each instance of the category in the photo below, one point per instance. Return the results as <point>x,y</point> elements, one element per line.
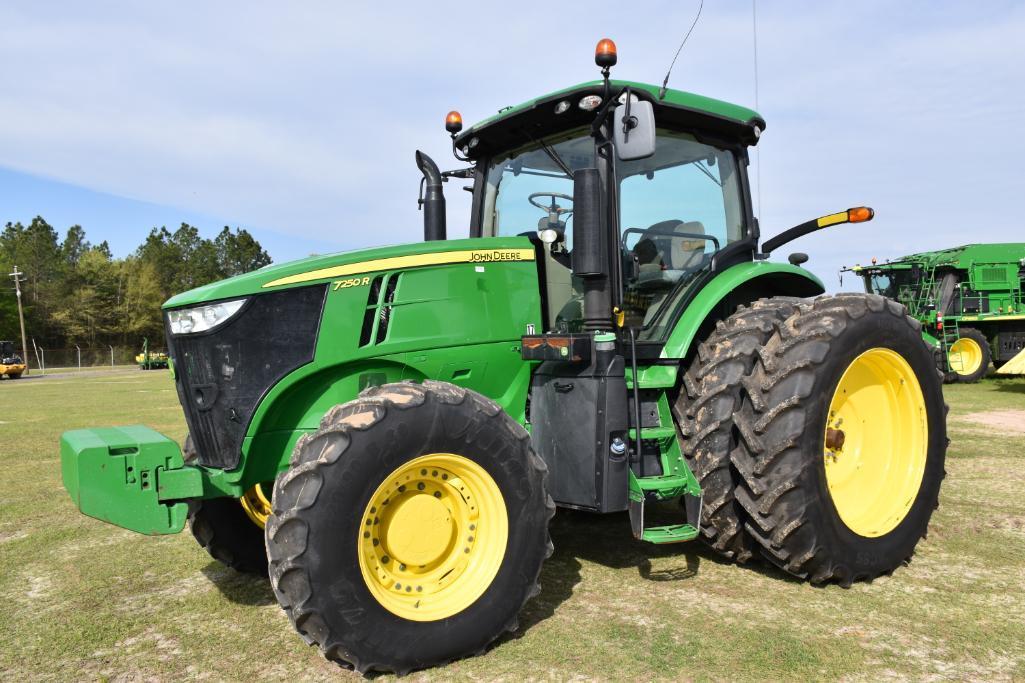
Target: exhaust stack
<point>433,202</point>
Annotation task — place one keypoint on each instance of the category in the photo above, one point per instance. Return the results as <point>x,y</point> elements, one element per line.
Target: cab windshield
<point>677,208</point>
<point>888,283</point>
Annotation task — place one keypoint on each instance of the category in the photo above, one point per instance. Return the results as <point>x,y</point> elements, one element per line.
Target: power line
<point>18,277</point>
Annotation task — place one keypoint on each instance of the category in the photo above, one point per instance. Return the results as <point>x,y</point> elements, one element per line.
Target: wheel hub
<point>874,466</point>
<point>420,530</point>
<point>433,537</point>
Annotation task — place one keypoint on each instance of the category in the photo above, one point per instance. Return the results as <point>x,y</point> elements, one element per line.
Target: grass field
<point>82,600</point>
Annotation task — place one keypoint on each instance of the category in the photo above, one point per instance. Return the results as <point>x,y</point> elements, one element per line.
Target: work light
<point>203,318</point>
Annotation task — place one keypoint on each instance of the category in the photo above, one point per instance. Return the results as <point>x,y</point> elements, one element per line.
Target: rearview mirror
<point>634,126</point>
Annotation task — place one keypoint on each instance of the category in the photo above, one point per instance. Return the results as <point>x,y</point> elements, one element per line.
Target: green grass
<point>82,600</point>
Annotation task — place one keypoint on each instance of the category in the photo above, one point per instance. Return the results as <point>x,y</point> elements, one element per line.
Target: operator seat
<point>663,258</point>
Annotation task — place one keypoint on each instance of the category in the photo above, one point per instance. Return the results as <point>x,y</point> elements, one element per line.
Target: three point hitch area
<point>133,477</point>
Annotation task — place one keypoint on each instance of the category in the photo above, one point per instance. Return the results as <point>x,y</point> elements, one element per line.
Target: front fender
<point>739,284</point>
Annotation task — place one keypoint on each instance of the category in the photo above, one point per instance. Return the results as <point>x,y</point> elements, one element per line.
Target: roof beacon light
<point>454,122</point>
<point>605,53</point>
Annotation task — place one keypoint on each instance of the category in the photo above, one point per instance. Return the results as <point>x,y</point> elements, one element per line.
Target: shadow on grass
<point>242,589</point>
<point>1011,385</point>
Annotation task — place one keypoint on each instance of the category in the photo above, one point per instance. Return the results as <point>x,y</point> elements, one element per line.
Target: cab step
<point>658,490</point>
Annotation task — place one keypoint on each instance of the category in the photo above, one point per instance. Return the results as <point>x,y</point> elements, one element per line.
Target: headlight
<point>203,318</point>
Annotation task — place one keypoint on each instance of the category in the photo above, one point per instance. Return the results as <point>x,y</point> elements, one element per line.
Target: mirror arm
<point>603,114</point>
<point>774,243</point>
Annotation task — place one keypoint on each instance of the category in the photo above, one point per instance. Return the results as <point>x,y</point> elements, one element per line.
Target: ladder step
<point>671,533</point>
<point>654,432</point>
<point>662,482</point>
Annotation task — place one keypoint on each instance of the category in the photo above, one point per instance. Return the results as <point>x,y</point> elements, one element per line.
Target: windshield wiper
<point>697,165</point>
<point>553,155</point>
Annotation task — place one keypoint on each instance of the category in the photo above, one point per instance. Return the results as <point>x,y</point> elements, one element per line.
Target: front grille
<point>223,374</point>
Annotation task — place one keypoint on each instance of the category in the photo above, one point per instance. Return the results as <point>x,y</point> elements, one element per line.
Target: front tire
<point>230,529</point>
<point>410,528</point>
<point>844,439</point>
<point>968,358</point>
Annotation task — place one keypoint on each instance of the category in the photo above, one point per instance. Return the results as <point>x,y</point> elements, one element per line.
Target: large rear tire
<point>410,529</point>
<point>712,393</point>
<point>227,529</point>
<point>843,440</point>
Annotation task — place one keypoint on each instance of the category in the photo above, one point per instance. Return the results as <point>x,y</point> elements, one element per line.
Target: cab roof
<point>506,128</point>
<point>956,257</point>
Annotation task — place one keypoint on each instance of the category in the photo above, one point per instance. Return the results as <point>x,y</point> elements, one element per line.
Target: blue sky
<point>299,122</point>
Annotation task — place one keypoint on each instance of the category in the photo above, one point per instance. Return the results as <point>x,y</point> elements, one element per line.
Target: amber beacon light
<point>605,53</point>
<point>454,122</point>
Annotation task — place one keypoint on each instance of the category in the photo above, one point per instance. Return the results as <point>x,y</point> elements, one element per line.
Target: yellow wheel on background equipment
<point>256,503</point>
<point>965,356</point>
<point>434,536</point>
<point>874,470</point>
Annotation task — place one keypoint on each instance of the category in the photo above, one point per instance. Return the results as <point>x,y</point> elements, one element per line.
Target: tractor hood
<point>364,261</point>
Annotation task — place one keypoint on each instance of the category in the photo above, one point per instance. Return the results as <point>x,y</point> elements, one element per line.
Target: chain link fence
<point>44,359</point>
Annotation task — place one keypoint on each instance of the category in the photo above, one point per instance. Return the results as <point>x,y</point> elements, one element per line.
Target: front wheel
<point>968,357</point>
<point>410,529</point>
<point>843,440</point>
<point>229,529</point>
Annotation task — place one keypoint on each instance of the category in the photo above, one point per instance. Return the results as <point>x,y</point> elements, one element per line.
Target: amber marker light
<point>454,123</point>
<point>860,214</point>
<point>605,53</point>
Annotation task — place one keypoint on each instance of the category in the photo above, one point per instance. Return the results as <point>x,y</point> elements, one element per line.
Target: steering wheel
<point>554,210</point>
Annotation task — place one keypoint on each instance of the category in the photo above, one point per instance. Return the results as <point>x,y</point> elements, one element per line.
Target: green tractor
<point>388,432</point>
<point>969,300</point>
<point>151,360</point>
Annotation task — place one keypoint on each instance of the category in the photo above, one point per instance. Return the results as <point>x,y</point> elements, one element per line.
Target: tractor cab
<point>669,204</point>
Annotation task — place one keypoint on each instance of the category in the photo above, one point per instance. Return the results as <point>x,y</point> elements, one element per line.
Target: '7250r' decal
<point>350,282</point>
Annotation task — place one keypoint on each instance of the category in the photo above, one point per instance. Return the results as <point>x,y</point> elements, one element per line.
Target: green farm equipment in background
<point>151,360</point>
<point>969,300</point>
<point>388,432</point>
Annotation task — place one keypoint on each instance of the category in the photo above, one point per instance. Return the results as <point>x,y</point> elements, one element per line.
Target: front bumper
<point>133,477</point>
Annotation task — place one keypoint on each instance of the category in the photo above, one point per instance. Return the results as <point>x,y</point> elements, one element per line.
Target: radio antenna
<point>758,150</point>
<point>665,81</point>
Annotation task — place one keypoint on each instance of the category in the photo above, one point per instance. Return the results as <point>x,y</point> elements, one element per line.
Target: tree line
<point>76,292</point>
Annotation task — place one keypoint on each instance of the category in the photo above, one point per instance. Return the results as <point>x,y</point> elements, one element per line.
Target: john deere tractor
<point>388,432</point>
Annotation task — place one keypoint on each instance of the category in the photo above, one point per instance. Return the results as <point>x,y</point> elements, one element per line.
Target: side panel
<point>752,280</point>
<point>459,323</point>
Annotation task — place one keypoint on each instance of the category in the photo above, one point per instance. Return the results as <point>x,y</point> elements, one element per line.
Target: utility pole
<point>18,277</point>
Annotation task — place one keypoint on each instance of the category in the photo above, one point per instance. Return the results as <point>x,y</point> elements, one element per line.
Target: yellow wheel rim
<point>256,503</point>
<point>965,356</point>
<point>433,537</point>
<point>875,442</point>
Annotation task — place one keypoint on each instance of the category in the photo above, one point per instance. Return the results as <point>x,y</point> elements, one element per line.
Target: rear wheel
<point>968,358</point>
<point>230,529</point>
<point>712,393</point>
<point>843,440</point>
<point>410,528</point>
